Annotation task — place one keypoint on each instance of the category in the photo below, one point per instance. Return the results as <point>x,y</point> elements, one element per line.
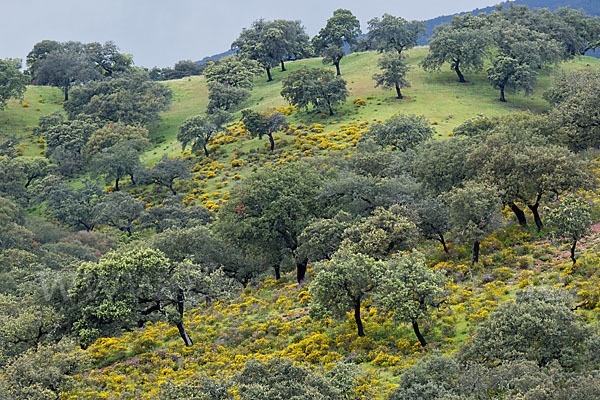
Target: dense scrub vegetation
<point>299,252</point>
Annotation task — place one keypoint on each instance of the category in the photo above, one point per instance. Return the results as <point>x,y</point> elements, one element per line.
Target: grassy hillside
<point>438,96</point>
<point>270,318</point>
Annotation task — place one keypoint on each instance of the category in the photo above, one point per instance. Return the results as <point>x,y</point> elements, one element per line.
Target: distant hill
<point>215,57</point>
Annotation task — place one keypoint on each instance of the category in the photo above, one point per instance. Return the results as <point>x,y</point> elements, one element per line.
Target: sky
<point>162,32</point>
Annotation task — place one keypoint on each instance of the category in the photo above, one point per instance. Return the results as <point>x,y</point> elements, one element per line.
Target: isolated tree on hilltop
<point>263,43</point>
<point>463,43</point>
<point>341,29</point>
<point>392,33</point>
<point>393,73</point>
<point>295,40</point>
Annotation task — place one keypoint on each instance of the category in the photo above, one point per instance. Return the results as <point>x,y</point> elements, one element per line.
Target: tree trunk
<point>66,92</point>
<point>573,251</point>
<point>443,242</point>
<point>117,184</point>
<point>272,141</point>
<point>536,215</point>
<point>269,74</point>
<point>359,324</point>
<point>132,180</point>
<point>301,269</point>
<point>205,150</point>
<point>330,109</point>
<point>461,77</point>
<point>398,92</point>
<point>337,67</point>
<point>282,66</point>
<point>502,99</point>
<point>415,326</point>
<point>172,190</point>
<point>180,326</point>
<point>182,332</point>
<point>518,213</point>
<point>277,272</point>
<point>476,252</point>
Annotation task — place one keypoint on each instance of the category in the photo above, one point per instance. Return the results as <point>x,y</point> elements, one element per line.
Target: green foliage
<point>538,326</point>
<point>575,114</point>
<point>118,161</point>
<point>125,287</point>
<point>402,132</point>
<point>66,142</point>
<point>520,52</point>
<point>72,207</point>
<point>409,290</point>
<point>199,130</point>
<point>570,218</point>
<point>65,68</point>
<point>129,99</point>
<point>341,284</point>
<point>172,213</point>
<point>202,388</point>
<point>431,378</point>
<point>385,232</point>
<point>280,379</point>
<point>200,245</point>
<point>12,81</point>
<point>264,42</point>
<point>269,210</point>
<point>526,172</point>
<point>121,211</point>
<point>463,43</point>
<point>43,372</point>
<point>393,73</point>
<point>392,33</point>
<point>233,71</point>
<point>315,86</point>
<point>111,134</point>
<point>341,29</point>
<point>322,237</point>
<point>474,212</point>
<point>442,165</point>
<point>265,123</point>
<point>165,172</point>
<point>225,97</point>
<point>16,174</point>
<point>24,324</point>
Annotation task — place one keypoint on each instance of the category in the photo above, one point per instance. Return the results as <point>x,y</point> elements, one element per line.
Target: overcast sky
<point>162,32</point>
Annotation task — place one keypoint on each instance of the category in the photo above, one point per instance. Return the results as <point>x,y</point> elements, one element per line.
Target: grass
<point>438,96</point>
<point>18,121</point>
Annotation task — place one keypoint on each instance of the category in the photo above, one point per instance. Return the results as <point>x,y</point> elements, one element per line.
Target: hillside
<point>268,319</point>
<point>438,96</point>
